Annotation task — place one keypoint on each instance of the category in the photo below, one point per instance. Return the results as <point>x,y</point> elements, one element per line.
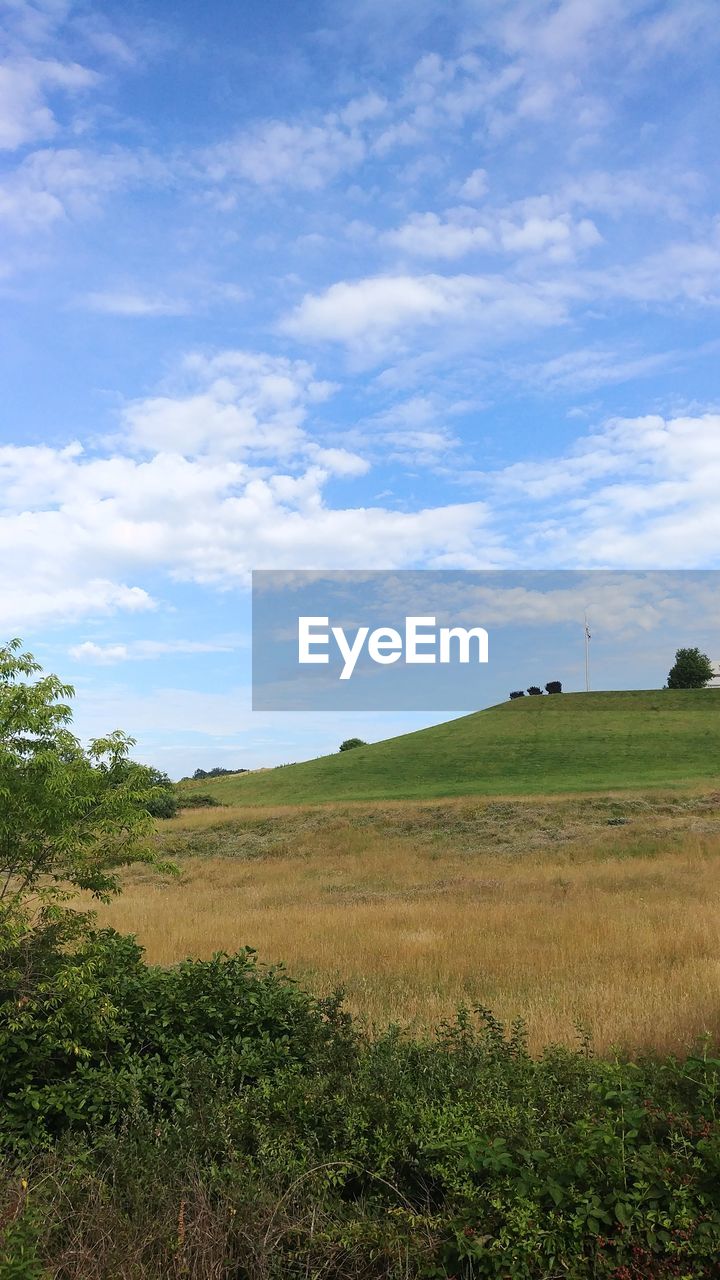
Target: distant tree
<point>162,802</point>
<point>349,743</point>
<point>692,670</point>
<point>535,690</point>
<point>553,686</point>
<point>517,693</point>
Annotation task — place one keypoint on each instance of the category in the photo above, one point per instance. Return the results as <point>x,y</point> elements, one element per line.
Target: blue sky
<point>351,286</point>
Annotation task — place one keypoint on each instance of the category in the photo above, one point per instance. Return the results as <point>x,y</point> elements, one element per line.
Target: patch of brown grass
<point>545,910</point>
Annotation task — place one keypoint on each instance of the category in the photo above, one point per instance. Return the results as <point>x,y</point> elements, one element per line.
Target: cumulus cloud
<point>367,313</point>
<point>55,183</point>
<point>559,237</point>
<point>638,492</point>
<point>279,154</point>
<point>203,487</point>
<point>25,87</point>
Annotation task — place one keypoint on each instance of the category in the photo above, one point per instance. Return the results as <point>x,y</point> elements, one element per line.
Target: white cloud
<point>428,236</point>
<point>592,367</point>
<point>239,404</point>
<point>461,231</point>
<point>229,478</point>
<point>25,84</point>
<point>368,313</point>
<point>475,185</point>
<point>639,492</point>
<point>137,650</point>
<point>132,304</point>
<point>53,184</point>
<point>278,154</point>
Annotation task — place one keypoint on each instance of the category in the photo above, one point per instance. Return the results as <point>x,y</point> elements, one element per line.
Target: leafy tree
<point>535,690</point>
<point>165,803</point>
<point>70,816</point>
<point>517,693</point>
<point>349,743</point>
<point>692,670</point>
<point>553,686</point>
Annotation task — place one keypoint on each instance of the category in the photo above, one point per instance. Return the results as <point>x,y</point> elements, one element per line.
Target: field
<point>598,910</point>
<point>532,746</point>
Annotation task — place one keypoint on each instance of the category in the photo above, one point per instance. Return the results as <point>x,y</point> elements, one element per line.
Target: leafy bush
<point>340,1155</point>
<point>553,686</point>
<point>87,1029</point>
<point>197,800</point>
<point>535,690</point>
<point>217,772</point>
<point>517,693</point>
<point>350,743</point>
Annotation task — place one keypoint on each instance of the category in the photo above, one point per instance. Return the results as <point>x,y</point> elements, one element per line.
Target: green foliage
<point>217,772</point>
<point>69,817</point>
<point>350,743</point>
<point>332,1153</point>
<point>87,1029</point>
<point>691,670</point>
<point>163,801</point>
<point>197,800</point>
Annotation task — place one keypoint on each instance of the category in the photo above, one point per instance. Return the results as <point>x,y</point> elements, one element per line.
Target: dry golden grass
<point>545,910</point>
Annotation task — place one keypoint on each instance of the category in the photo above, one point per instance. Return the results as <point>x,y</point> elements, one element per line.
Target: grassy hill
<point>569,742</point>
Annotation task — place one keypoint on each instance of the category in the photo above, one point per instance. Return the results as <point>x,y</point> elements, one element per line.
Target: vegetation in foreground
<point>212,1120</point>
<point>601,910</point>
<point>574,742</point>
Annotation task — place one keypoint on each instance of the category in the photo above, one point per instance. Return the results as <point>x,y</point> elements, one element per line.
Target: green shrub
<point>264,1137</point>
<point>88,1029</point>
<point>197,800</point>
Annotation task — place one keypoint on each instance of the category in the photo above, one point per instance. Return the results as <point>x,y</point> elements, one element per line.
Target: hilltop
<point>564,743</point>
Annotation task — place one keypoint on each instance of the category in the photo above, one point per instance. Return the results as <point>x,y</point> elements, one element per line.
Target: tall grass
<point>544,910</point>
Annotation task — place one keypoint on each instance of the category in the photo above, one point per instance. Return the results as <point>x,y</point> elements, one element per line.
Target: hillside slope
<point>569,742</point>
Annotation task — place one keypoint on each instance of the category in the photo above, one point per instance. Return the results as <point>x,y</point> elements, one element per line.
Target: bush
<point>197,800</point>
<point>535,690</point>
<point>553,686</point>
<point>517,693</point>
<point>350,743</point>
<point>217,772</point>
<point>87,1029</point>
<point>453,1155</point>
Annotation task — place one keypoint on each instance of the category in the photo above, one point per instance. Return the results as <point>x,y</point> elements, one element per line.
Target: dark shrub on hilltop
<point>517,693</point>
<point>217,772</point>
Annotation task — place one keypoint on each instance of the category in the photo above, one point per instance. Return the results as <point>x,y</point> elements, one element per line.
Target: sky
<point>341,286</point>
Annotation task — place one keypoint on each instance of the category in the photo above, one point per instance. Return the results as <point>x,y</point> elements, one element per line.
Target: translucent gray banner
<point>456,640</point>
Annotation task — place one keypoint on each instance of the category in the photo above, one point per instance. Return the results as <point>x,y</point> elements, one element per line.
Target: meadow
<point>593,911</point>
<point>570,742</point>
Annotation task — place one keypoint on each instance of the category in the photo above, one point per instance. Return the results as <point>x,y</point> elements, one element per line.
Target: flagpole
<point>587,655</point>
